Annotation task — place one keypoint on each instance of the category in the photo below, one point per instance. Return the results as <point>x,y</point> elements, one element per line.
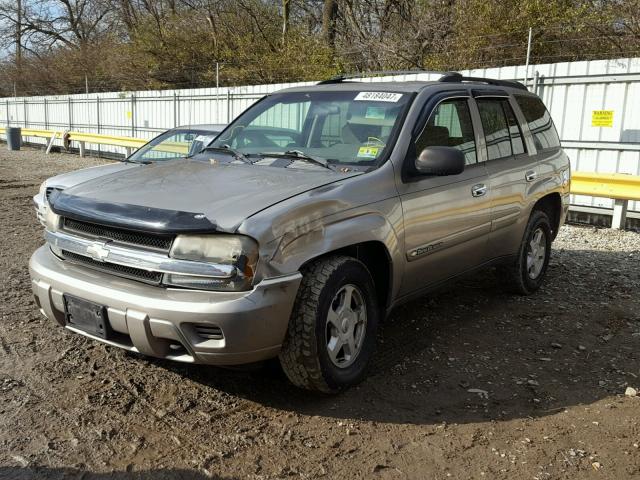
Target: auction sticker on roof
<point>378,97</point>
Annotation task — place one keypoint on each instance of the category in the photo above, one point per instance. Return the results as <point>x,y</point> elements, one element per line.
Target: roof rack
<point>374,73</point>
<point>451,77</point>
<point>447,77</point>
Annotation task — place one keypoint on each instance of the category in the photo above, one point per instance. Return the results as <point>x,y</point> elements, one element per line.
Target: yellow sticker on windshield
<point>368,152</point>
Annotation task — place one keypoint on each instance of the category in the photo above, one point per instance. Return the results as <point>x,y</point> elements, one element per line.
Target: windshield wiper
<point>226,149</point>
<point>299,155</point>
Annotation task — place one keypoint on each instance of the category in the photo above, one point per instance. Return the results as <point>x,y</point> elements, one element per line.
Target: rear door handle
<point>530,176</point>
<point>479,190</point>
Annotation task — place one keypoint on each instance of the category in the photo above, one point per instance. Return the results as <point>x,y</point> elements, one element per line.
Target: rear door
<point>511,169</point>
<point>446,218</point>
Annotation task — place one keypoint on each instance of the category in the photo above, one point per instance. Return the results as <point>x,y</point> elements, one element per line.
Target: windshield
<point>175,143</point>
<point>349,127</point>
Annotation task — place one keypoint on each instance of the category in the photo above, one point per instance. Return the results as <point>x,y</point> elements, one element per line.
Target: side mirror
<point>440,161</point>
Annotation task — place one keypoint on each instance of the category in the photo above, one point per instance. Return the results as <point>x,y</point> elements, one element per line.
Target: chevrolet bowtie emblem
<point>98,251</point>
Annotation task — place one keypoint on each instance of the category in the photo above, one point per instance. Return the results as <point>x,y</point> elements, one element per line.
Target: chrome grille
<point>146,276</point>
<point>152,241</point>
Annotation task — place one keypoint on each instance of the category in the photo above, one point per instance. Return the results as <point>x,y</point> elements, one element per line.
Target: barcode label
<point>378,96</point>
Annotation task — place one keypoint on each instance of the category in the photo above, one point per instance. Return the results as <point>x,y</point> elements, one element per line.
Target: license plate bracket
<point>87,316</point>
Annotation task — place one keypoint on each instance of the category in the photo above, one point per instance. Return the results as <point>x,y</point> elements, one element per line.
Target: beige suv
<point>311,216</point>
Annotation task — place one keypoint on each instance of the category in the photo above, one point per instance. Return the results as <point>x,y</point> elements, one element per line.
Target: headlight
<point>52,220</point>
<point>43,191</point>
<point>236,250</point>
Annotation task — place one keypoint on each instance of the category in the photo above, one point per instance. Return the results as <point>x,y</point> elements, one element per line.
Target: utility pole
<point>526,68</point>
<point>286,9</point>
<point>18,44</point>
<point>217,92</point>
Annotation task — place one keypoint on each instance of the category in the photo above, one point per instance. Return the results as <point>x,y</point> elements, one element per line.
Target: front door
<point>446,219</point>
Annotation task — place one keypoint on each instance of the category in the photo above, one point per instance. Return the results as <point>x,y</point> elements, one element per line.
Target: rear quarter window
<point>539,121</point>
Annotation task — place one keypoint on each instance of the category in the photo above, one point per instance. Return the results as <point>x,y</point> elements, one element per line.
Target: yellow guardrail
<point>96,138</point>
<point>129,143</point>
<point>617,186</point>
<point>101,139</point>
<point>609,185</point>
<point>29,132</point>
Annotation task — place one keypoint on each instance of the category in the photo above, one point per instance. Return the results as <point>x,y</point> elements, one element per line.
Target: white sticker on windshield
<point>378,96</point>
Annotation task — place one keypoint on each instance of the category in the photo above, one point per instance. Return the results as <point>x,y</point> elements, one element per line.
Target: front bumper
<point>165,322</point>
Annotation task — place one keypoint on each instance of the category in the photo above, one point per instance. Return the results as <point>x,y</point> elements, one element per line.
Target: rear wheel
<point>527,272</point>
<point>332,330</point>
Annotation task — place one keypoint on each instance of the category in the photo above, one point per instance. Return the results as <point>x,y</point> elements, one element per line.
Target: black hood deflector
<point>133,217</point>
<point>188,196</point>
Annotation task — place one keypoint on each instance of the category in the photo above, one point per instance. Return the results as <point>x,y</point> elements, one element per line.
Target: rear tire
<point>526,274</point>
<point>332,329</point>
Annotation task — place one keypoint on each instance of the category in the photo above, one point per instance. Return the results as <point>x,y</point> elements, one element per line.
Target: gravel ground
<point>468,383</point>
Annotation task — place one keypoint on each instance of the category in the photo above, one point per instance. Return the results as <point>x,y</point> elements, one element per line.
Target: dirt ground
<point>469,383</point>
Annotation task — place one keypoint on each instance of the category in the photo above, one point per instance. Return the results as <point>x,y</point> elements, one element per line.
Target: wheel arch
<point>368,237</point>
<point>551,205</point>
<point>376,257</point>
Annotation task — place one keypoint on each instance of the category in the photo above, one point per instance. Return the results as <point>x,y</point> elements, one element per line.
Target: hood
<point>69,179</point>
<point>187,195</point>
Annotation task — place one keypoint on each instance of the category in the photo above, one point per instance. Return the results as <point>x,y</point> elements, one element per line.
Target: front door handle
<point>479,190</point>
<point>530,176</point>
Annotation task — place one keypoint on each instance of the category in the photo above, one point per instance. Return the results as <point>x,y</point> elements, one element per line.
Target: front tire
<point>332,329</point>
<point>526,274</point>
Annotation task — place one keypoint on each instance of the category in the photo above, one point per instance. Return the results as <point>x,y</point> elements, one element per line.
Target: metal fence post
<point>24,108</point>
<point>8,118</point>
<point>70,113</point>
<point>46,114</point>
<point>619,219</point>
<point>133,114</point>
<point>228,106</point>
<point>98,120</point>
<point>98,114</point>
<point>175,109</point>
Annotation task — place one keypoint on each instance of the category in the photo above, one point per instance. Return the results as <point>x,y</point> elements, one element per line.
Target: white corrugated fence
<point>593,103</point>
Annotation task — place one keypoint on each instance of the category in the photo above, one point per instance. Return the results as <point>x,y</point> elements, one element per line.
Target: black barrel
<point>14,138</point>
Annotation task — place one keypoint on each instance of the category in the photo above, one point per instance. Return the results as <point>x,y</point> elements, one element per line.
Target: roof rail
<point>451,77</point>
<point>374,73</point>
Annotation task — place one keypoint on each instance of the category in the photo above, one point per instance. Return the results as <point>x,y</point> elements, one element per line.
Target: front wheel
<point>332,330</point>
<point>526,273</point>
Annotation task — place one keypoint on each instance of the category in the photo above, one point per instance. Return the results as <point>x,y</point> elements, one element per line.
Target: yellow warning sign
<point>602,118</point>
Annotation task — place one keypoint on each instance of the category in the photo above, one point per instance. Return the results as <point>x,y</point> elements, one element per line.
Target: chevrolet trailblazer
<point>311,216</point>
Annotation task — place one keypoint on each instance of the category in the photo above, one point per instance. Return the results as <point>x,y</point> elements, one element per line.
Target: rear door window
<point>496,128</point>
<point>539,121</point>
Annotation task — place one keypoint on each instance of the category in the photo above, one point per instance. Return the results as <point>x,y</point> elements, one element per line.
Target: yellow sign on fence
<point>602,118</point>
